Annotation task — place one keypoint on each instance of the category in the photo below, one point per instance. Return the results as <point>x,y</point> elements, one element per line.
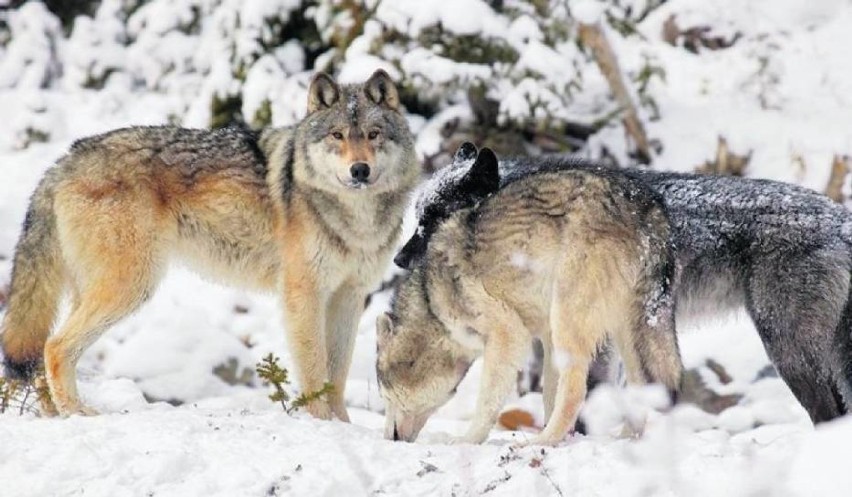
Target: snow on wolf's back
<point>709,210</point>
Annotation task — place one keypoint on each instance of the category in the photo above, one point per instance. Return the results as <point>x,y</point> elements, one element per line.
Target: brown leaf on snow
<point>515,419</point>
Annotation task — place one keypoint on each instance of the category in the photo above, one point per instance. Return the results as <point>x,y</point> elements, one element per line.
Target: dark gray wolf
<point>312,211</point>
<point>575,257</point>
<point>781,251</point>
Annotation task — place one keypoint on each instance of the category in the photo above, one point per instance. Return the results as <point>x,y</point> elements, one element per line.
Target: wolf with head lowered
<point>782,252</point>
<point>576,258</point>
<point>312,211</point>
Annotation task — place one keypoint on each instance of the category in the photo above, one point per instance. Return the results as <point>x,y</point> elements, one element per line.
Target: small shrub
<point>278,377</point>
<point>20,396</point>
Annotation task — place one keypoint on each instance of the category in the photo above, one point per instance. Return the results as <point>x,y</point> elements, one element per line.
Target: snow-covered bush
<point>515,75</point>
<point>30,57</point>
<point>516,64</point>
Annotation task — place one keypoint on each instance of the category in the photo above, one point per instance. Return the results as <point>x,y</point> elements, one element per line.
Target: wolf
<point>574,257</point>
<point>312,212</point>
<point>781,251</point>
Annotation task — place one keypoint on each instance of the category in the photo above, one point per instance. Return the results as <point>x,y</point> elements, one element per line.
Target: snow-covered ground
<point>784,91</point>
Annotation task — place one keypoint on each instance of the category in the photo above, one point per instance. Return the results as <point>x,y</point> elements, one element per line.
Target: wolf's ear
<point>380,89</point>
<point>323,92</point>
<point>465,152</point>
<point>483,177</point>
<point>384,326</point>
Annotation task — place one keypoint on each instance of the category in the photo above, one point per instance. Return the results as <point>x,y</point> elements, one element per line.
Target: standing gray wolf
<point>573,257</point>
<point>312,211</point>
<point>781,251</point>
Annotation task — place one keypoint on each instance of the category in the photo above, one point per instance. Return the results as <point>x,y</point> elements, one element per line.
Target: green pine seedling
<point>278,377</point>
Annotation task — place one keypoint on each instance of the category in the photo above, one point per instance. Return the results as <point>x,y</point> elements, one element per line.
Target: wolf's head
<point>470,178</point>
<point>419,367</point>
<point>355,136</point>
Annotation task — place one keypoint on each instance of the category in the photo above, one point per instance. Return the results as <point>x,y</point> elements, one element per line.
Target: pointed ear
<point>483,177</point>
<point>323,92</point>
<point>381,90</point>
<point>465,152</point>
<point>384,327</point>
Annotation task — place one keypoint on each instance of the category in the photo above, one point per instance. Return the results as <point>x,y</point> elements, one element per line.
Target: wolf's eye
<point>372,135</point>
<point>337,135</point>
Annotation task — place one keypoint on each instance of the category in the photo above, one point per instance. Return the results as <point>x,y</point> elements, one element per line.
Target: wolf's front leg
<point>344,310</point>
<point>503,357</point>
<point>304,318</point>
<point>570,394</point>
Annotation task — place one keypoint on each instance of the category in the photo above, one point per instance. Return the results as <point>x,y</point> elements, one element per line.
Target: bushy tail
<point>36,288</point>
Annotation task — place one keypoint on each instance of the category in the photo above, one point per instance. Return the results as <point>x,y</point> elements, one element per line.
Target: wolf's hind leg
<point>574,337</point>
<point>104,302</point>
<point>649,349</point>
<point>110,249</point>
<point>657,353</point>
<point>570,394</point>
<point>797,305</point>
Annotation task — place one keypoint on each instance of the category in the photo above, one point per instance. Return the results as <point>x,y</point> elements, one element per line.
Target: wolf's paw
<point>79,410</point>
<point>341,414</point>
<point>47,408</point>
<point>84,410</point>
<point>338,408</point>
<point>319,409</point>
<point>539,440</point>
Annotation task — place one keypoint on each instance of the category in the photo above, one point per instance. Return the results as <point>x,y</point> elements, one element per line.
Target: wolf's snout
<point>402,260</point>
<point>360,171</point>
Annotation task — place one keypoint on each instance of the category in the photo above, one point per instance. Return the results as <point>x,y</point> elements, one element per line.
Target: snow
<point>783,91</point>
<point>29,59</point>
<point>588,11</point>
<point>467,17</point>
<point>241,445</point>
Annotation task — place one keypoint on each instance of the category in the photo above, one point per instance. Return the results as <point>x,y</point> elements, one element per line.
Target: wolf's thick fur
<point>781,251</point>
<point>573,257</point>
<point>313,211</point>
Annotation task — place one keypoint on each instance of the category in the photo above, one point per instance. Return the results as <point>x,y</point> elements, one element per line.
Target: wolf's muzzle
<point>360,171</point>
<point>412,250</point>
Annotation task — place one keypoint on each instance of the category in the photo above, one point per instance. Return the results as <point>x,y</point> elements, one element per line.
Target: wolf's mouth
<point>358,185</point>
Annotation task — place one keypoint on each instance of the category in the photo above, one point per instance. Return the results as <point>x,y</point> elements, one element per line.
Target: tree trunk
<point>839,169</point>
<point>592,36</point>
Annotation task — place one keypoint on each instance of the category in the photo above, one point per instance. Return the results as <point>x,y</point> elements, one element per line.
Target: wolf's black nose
<point>360,171</point>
